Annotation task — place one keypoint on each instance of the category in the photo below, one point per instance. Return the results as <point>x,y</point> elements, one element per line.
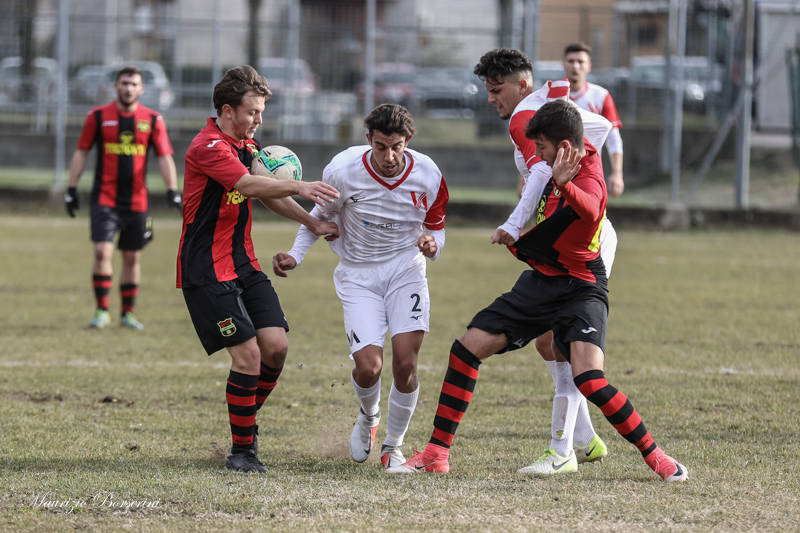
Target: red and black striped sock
<point>102,287</point>
<point>128,292</point>
<point>459,382</point>
<point>241,397</point>
<point>617,408</point>
<point>266,382</point>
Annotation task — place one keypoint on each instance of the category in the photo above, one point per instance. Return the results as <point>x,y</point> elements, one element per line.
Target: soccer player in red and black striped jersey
<point>565,290</point>
<point>124,131</point>
<point>231,302</point>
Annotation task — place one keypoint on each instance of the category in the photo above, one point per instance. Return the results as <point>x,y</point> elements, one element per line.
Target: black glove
<point>174,199</point>
<point>71,201</point>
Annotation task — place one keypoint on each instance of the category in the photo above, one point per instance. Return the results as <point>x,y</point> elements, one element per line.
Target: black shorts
<point>105,222</point>
<point>229,313</point>
<point>574,309</point>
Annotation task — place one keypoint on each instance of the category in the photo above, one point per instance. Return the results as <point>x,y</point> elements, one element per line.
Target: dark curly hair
<point>501,62</point>
<point>557,121</point>
<point>389,119</point>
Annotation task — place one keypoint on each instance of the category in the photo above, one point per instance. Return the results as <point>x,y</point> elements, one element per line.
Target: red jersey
<point>566,237</point>
<point>123,140</point>
<point>215,241</point>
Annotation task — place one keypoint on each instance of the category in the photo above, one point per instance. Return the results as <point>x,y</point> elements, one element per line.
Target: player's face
<point>506,92</point>
<point>546,150</point>
<point>246,117</point>
<point>387,152</point>
<point>577,65</point>
<point>129,88</point>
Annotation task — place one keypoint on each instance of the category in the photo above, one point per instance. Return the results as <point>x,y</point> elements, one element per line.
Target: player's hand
<point>501,236</point>
<point>282,263</point>
<point>427,245</point>
<point>329,229</point>
<point>71,201</point>
<point>174,199</point>
<point>566,165</point>
<point>615,183</point>
<point>321,193</point>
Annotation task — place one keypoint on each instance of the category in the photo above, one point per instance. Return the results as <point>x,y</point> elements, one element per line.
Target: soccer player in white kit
<point>391,215</point>
<point>508,75</point>
<point>592,97</point>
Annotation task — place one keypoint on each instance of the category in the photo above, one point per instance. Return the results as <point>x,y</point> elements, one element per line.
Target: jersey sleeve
<point>516,129</point>
<point>610,111</point>
<point>219,163</point>
<point>585,194</point>
<point>539,175</point>
<point>434,219</point>
<point>614,142</point>
<point>88,132</point>
<point>595,127</point>
<point>160,137</point>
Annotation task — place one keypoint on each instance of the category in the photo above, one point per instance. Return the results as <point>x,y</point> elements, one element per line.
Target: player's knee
<point>405,373</point>
<point>545,347</point>
<point>274,355</point>
<point>368,371</point>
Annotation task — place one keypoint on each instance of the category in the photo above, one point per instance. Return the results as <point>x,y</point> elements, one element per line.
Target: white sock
<point>368,397</point>
<point>401,407</point>
<point>584,430</point>
<point>566,402</point>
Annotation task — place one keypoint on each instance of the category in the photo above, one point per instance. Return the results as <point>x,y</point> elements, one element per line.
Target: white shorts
<point>608,245</point>
<point>379,297</point>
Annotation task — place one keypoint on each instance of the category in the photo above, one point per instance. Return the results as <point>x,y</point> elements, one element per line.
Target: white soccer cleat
<point>550,463</point>
<point>363,436</point>
<point>392,456</point>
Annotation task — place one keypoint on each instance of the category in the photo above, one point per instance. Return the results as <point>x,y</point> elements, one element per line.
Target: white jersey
<point>536,172</point>
<point>597,99</point>
<point>379,218</point>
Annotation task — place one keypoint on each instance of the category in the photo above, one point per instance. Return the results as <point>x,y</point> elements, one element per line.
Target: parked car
<point>395,83</point>
<point>94,84</point>
<point>702,81</point>
<point>447,92</point>
<point>281,78</point>
<point>42,80</point>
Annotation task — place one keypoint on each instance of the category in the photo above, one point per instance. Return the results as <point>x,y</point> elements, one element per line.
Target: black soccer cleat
<point>245,461</point>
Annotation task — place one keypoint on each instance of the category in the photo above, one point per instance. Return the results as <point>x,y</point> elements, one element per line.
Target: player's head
<point>555,125</point>
<point>389,129</point>
<point>239,98</point>
<point>577,63</point>
<point>508,75</point>
<point>129,87</point>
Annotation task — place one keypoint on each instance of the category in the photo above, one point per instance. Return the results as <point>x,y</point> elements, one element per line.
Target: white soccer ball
<point>278,162</point>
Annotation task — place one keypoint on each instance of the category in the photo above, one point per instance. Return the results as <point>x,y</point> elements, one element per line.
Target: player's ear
<point>369,138</point>
<point>408,139</point>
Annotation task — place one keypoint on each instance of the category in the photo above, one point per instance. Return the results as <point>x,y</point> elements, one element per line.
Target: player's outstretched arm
<point>288,208</point>
<point>265,188</point>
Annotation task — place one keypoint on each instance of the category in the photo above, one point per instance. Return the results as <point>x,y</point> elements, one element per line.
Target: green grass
<point>703,338</point>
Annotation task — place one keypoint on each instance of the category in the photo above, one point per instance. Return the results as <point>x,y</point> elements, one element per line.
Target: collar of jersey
<point>379,179</point>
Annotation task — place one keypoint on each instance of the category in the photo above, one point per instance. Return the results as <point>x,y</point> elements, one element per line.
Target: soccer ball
<point>278,162</point>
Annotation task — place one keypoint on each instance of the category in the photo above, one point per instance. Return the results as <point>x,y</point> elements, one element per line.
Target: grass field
<point>116,430</point>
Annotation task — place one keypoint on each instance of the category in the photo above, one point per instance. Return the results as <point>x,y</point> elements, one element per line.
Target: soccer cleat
<point>422,462</point>
<point>550,463</point>
<point>245,460</point>
<point>596,450</point>
<point>391,456</point>
<point>100,319</point>
<point>363,436</point>
<point>665,466</point>
<point>130,321</point>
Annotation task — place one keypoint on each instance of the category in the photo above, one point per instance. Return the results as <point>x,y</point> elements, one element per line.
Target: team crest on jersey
<point>143,125</point>
<point>226,327</point>
<point>557,192</point>
<point>420,200</point>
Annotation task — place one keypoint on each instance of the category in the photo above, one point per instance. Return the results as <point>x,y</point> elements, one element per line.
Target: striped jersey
<point>123,141</point>
<point>215,241</point>
<point>569,219</point>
